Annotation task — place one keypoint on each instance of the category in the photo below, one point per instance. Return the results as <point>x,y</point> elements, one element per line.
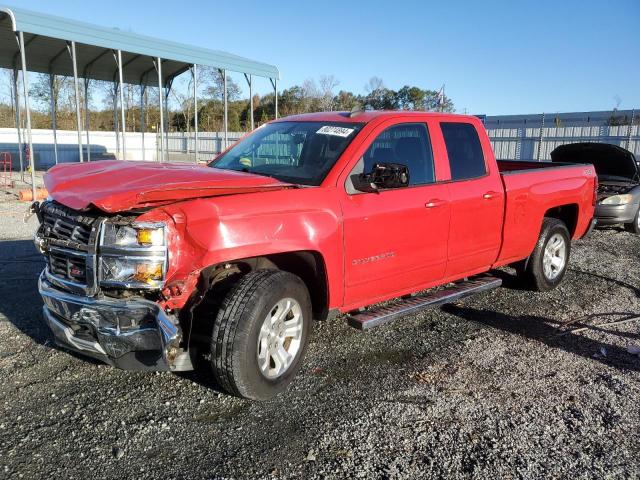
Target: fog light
<point>148,271</point>
<point>131,271</point>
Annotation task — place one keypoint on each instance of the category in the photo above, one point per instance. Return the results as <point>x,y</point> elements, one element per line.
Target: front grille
<point>67,228</point>
<point>64,229</point>
<point>71,239</point>
<point>68,266</point>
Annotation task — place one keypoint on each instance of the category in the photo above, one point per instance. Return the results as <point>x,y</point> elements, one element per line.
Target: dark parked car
<point>619,181</point>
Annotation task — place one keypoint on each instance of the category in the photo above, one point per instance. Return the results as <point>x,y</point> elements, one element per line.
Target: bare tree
<point>213,82</point>
<point>6,86</point>
<point>185,102</point>
<point>327,84</point>
<point>374,84</point>
<point>310,92</point>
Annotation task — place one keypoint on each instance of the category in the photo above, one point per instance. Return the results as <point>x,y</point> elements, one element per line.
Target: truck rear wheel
<point>546,266</point>
<point>261,333</point>
<point>634,227</point>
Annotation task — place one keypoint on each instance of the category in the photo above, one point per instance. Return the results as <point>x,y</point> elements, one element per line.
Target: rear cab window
<point>464,150</point>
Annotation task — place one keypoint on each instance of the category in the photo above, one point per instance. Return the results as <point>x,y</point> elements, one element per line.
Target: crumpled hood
<point>117,186</point>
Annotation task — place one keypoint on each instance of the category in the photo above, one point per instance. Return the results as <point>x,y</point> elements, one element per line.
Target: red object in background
<point>7,169</point>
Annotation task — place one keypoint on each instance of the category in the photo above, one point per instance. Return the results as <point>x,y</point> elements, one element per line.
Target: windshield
<point>293,152</point>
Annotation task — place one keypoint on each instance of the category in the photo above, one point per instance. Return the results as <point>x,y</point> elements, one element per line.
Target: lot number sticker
<point>336,131</point>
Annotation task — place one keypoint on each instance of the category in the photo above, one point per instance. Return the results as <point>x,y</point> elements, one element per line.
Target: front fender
<point>223,229</point>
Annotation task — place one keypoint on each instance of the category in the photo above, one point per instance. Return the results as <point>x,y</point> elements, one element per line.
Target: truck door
<point>477,201</point>
<point>395,239</point>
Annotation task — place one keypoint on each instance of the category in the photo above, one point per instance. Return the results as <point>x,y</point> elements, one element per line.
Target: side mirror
<point>383,176</point>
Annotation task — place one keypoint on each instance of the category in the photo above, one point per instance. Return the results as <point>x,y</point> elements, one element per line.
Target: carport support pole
<point>226,106</point>
<point>195,109</point>
<point>16,98</point>
<point>116,127</point>
<point>124,124</point>
<point>250,82</point>
<point>54,115</point>
<point>142,125</point>
<point>25,86</point>
<point>77,91</point>
<point>274,84</point>
<point>87,120</point>
<point>159,69</point>
<point>167,120</point>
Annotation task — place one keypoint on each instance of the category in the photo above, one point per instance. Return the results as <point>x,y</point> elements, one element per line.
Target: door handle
<point>434,202</point>
<point>490,195</point>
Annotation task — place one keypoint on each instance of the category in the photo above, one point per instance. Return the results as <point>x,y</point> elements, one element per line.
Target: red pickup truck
<point>150,266</point>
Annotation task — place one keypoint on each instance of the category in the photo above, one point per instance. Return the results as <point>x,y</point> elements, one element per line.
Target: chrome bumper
<point>133,334</point>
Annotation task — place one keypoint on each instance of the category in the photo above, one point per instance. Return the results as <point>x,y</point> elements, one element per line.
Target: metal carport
<point>31,41</point>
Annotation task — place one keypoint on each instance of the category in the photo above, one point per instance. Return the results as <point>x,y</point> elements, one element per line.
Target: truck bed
<point>517,166</point>
<point>534,188</point>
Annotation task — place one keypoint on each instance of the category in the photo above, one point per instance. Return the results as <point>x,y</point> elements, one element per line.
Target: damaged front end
<point>101,288</point>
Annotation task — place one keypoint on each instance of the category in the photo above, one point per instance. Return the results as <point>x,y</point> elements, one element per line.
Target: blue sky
<point>495,57</point>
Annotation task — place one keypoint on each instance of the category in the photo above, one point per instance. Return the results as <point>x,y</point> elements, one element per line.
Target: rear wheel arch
<point>567,214</point>
<point>532,270</point>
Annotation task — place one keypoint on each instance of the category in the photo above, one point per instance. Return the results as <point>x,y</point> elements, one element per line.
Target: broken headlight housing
<point>618,199</point>
<point>133,255</point>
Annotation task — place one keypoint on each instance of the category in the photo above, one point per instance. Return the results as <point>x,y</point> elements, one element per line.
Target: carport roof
<point>46,39</point>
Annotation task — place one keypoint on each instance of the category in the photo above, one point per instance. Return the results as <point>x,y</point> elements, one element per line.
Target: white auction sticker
<point>337,131</point>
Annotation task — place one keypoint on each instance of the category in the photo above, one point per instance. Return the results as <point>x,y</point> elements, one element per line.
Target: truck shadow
<point>545,330</point>
<point>20,303</point>
<point>512,282</point>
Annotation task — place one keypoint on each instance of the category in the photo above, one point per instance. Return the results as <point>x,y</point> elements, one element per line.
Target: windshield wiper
<point>246,170</point>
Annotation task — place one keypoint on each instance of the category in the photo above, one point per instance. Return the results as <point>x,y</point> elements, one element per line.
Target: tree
<point>379,97</point>
<point>213,81</point>
<point>374,83</point>
<point>291,101</point>
<point>347,101</point>
<point>411,98</point>
<point>310,96</point>
<point>327,84</point>
<point>186,105</point>
<point>61,92</point>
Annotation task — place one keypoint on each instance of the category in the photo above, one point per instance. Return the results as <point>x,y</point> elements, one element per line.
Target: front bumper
<point>132,334</point>
<point>616,214</point>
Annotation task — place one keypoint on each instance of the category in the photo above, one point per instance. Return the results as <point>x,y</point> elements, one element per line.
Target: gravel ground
<point>498,386</point>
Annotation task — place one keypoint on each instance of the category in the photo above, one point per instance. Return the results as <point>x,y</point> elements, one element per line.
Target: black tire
<point>634,227</point>
<point>532,271</point>
<point>234,342</point>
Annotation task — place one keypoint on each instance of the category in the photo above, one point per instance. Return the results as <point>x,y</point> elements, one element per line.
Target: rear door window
<point>464,150</point>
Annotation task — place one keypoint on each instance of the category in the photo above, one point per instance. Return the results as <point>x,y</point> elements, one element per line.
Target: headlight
<point>132,255</point>
<point>132,271</point>
<point>617,200</point>
<point>142,235</point>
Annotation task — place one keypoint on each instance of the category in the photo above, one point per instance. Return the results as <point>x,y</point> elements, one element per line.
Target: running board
<point>380,315</point>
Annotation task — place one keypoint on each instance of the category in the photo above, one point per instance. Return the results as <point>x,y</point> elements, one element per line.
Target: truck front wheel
<point>261,333</point>
<point>546,266</point>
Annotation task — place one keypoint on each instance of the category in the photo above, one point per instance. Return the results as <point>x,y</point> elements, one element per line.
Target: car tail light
<point>595,191</point>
